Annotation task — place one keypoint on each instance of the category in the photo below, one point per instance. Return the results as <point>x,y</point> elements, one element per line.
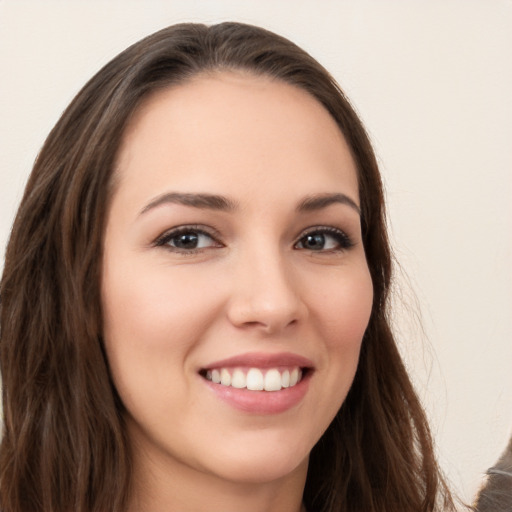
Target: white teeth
<point>215,376</point>
<point>238,380</point>
<point>255,379</point>
<point>225,377</point>
<point>273,380</point>
<point>285,379</point>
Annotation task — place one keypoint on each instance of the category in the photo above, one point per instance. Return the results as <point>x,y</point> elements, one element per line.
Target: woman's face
<point>233,259</point>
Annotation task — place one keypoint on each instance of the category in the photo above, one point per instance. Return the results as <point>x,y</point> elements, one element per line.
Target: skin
<point>253,285</point>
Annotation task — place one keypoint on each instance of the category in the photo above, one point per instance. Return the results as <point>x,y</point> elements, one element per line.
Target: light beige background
<point>432,82</point>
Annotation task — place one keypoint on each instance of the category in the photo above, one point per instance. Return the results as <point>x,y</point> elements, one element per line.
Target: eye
<point>187,239</point>
<point>324,239</point>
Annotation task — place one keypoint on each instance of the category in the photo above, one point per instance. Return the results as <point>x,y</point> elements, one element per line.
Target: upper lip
<point>262,360</point>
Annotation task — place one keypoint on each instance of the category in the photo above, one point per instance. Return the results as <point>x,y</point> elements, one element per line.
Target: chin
<point>261,461</point>
<point>263,470</point>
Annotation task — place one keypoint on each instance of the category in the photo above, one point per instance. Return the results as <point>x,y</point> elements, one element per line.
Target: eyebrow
<point>319,201</point>
<point>221,203</point>
<point>203,201</point>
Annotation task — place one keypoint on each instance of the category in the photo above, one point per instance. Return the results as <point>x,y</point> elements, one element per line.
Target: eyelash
<point>342,239</point>
<point>165,239</point>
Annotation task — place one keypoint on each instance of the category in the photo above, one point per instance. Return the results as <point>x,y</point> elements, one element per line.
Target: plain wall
<point>432,82</point>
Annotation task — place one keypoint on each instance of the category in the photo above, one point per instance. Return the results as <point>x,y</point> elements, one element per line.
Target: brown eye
<point>314,242</point>
<point>187,239</point>
<point>324,239</point>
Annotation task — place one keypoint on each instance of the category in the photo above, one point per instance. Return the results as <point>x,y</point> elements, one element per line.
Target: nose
<point>265,294</point>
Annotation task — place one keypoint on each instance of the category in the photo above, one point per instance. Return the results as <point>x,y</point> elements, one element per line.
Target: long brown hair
<point>64,445</point>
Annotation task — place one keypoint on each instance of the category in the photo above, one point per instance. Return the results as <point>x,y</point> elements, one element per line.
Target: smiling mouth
<point>256,379</point>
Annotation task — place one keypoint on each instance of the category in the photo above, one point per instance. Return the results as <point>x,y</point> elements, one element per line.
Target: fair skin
<point>269,276</point>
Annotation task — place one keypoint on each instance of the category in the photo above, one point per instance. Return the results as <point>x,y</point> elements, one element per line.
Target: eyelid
<point>167,235</point>
<point>345,243</point>
<point>344,240</point>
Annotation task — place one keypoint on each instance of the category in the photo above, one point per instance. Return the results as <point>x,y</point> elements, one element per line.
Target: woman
<point>194,299</point>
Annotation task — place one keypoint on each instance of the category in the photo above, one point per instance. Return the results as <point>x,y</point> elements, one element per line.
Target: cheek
<point>154,306</point>
<point>342,312</point>
<point>152,319</point>
<point>344,309</point>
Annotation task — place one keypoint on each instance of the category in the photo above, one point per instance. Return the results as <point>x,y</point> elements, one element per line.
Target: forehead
<point>227,125</point>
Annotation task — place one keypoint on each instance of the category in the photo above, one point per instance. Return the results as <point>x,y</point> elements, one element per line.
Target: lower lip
<point>262,402</point>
